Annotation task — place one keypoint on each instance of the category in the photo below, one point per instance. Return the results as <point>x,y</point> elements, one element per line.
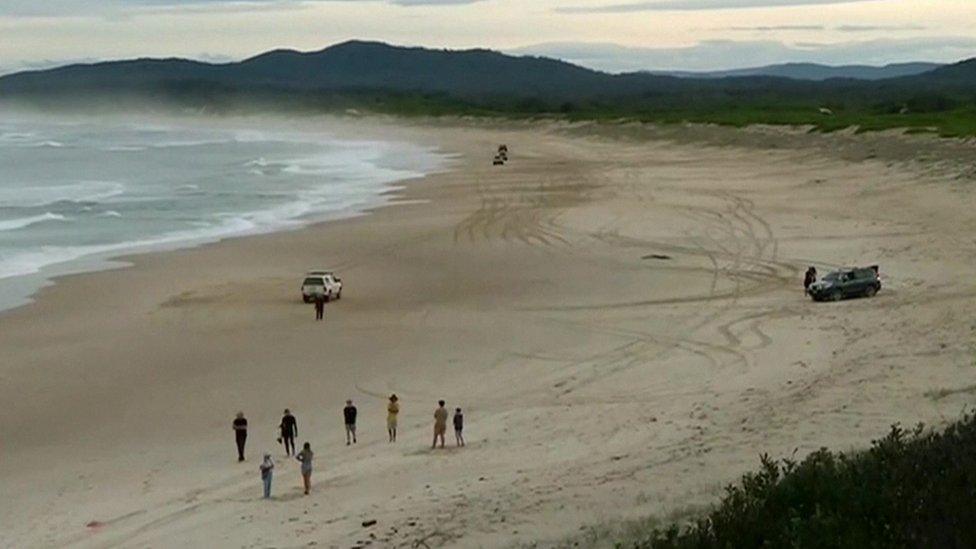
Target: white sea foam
<point>180,193</point>
<point>36,196</point>
<point>24,222</point>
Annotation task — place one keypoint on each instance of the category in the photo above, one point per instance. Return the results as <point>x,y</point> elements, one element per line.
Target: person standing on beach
<point>440,423</point>
<point>809,278</point>
<point>349,416</point>
<point>458,427</point>
<point>392,410</point>
<point>319,306</point>
<point>289,430</point>
<point>267,468</point>
<point>240,434</point>
<point>305,456</point>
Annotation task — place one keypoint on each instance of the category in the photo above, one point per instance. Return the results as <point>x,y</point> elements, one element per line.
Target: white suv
<point>324,283</point>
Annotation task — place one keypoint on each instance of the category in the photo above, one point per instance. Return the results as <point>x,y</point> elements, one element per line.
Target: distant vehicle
<point>838,285</point>
<point>323,283</point>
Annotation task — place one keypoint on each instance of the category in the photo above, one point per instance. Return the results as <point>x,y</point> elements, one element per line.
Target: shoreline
<point>20,290</point>
<point>599,384</point>
<point>34,284</point>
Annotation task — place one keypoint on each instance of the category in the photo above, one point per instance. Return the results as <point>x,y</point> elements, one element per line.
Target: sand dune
<point>617,310</point>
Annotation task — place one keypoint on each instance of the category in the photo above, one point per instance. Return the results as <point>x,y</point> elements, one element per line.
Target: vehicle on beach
<point>324,283</point>
<point>845,283</point>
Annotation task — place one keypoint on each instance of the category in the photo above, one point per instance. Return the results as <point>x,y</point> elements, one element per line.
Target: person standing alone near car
<point>240,434</point>
<point>289,430</point>
<point>319,306</point>
<point>349,416</point>
<point>809,279</point>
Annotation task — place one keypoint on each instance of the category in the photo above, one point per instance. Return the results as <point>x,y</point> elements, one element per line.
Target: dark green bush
<point>910,489</point>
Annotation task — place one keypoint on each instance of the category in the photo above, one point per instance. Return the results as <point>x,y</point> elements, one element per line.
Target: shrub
<point>910,489</point>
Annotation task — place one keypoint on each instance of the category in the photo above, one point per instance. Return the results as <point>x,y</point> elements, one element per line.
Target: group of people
<point>288,432</point>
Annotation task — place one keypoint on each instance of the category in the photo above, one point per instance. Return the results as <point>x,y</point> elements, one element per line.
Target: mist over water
<point>72,194</point>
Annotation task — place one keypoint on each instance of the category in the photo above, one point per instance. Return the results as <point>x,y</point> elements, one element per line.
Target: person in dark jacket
<point>809,278</point>
<point>319,306</point>
<point>289,430</point>
<point>349,416</point>
<point>240,434</point>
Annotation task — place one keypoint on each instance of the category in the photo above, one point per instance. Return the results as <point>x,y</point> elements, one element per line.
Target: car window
<point>833,277</point>
<point>313,282</point>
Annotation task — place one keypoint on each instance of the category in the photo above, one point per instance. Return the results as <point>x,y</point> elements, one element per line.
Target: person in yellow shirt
<point>440,423</point>
<point>392,409</point>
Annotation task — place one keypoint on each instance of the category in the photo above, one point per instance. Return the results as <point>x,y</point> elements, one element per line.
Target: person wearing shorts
<point>440,423</point>
<point>458,427</point>
<point>392,411</point>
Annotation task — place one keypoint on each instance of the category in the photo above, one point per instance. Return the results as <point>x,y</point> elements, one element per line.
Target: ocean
<point>74,195</point>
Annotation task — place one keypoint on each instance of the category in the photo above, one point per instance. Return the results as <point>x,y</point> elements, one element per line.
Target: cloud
<point>732,54</point>
<point>74,8</point>
<point>838,28</point>
<point>776,28</point>
<point>874,28</point>
<point>699,5</point>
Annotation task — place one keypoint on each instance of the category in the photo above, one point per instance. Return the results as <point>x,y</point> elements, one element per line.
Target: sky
<point>611,35</point>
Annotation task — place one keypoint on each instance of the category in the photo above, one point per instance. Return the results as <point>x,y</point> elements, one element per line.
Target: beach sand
<point>618,310</point>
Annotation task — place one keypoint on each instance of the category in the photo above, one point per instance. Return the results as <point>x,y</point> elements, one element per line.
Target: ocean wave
<point>40,144</point>
<point>38,196</point>
<point>24,222</point>
<point>110,213</point>
<point>124,148</point>
<point>16,137</point>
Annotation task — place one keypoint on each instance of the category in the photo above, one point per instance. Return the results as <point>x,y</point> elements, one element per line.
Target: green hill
<point>379,77</point>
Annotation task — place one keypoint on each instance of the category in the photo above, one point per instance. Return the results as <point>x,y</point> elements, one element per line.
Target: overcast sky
<point>613,35</point>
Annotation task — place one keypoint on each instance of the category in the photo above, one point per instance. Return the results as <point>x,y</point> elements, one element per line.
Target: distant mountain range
<point>815,71</point>
<point>370,73</point>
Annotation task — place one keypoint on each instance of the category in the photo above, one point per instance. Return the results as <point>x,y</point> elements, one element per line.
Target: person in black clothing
<point>289,430</point>
<point>319,306</point>
<point>240,433</point>
<point>458,427</point>
<point>349,415</point>
<point>809,278</point>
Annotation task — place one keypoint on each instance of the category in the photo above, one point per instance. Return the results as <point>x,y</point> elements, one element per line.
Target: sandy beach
<point>618,310</point>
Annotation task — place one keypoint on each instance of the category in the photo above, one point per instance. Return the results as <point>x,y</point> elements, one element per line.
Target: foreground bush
<point>910,489</point>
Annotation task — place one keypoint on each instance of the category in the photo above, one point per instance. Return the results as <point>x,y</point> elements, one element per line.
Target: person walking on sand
<point>305,456</point>
<point>240,434</point>
<point>319,306</point>
<point>289,430</point>
<point>267,468</point>
<point>440,423</point>
<point>458,427</point>
<point>349,416</point>
<point>392,410</point>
